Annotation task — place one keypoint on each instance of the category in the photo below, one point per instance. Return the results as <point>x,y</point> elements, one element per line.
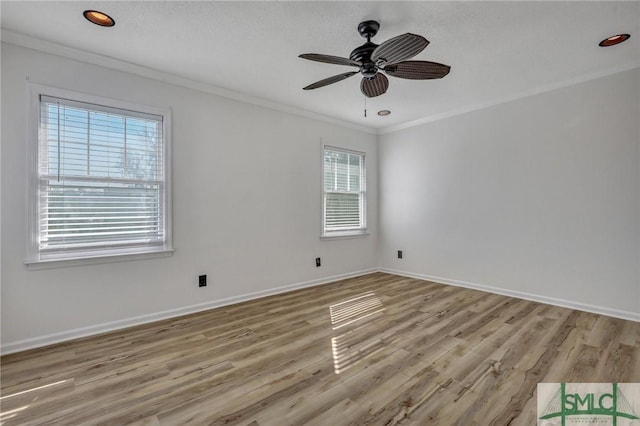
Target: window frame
<point>35,259</point>
<point>350,233</point>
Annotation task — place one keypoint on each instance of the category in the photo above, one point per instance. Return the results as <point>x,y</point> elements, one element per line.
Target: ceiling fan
<point>390,56</point>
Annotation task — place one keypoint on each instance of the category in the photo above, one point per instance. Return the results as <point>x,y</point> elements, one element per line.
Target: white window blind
<point>344,191</point>
<point>101,178</point>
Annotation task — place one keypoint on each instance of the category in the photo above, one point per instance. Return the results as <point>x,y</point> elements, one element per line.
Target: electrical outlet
<point>202,281</point>
<point>318,264</point>
<point>399,254</point>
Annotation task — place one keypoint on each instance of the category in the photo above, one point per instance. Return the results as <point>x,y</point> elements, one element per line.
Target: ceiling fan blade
<point>399,48</point>
<point>417,70</point>
<point>330,80</point>
<point>330,59</point>
<point>375,86</point>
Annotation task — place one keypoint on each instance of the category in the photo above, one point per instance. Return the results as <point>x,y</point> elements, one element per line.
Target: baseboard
<point>77,333</point>
<point>616,313</point>
<point>49,339</point>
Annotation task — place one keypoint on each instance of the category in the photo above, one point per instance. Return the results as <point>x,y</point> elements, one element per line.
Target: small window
<point>101,184</point>
<point>344,193</point>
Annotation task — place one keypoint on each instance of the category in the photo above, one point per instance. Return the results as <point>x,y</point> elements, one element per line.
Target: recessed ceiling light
<point>384,112</point>
<point>613,40</point>
<point>99,18</point>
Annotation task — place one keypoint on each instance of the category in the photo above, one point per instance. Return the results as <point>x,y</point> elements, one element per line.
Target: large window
<point>101,184</point>
<point>344,194</point>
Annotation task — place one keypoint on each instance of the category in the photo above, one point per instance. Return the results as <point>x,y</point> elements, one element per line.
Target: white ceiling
<point>497,50</point>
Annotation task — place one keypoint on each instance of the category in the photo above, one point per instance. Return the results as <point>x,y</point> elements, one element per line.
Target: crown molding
<point>46,46</point>
<point>506,99</point>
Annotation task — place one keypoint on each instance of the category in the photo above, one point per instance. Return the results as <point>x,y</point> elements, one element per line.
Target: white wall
<point>247,208</point>
<point>536,197</point>
<point>540,197</point>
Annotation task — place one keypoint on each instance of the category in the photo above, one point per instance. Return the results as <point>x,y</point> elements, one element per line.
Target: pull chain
<point>365,107</point>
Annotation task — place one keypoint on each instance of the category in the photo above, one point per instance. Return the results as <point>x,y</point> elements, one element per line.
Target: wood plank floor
<point>373,350</point>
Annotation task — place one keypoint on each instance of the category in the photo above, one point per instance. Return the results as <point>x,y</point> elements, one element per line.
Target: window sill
<point>50,263</point>
<point>344,235</point>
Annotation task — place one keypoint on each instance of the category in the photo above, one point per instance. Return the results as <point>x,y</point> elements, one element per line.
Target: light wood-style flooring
<point>373,350</point>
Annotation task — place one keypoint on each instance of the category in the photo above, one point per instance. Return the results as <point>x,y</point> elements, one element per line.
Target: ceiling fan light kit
<point>391,57</point>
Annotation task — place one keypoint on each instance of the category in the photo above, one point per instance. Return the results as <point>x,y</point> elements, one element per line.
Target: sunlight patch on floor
<point>30,395</point>
<point>353,345</point>
<point>50,385</point>
<point>354,309</point>
<point>6,415</point>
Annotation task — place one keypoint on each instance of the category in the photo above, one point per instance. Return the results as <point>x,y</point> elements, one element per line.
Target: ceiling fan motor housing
<point>363,54</point>
<point>366,29</point>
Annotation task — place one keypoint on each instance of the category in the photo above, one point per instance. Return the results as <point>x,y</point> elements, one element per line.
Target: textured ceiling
<point>497,50</point>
